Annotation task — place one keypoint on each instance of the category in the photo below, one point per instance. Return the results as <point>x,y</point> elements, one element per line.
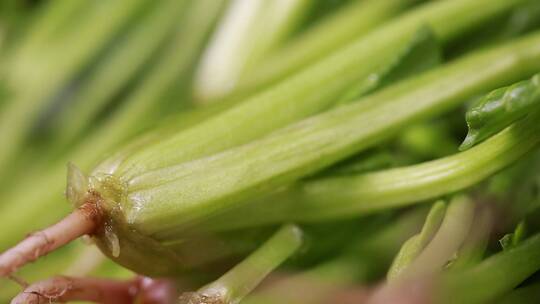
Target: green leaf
<point>422,53</point>
<point>500,109</point>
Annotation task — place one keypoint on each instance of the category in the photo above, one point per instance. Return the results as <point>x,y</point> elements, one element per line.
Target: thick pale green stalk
<point>312,90</point>
<point>238,282</point>
<point>41,205</point>
<point>337,30</point>
<point>493,277</point>
<point>249,29</point>
<point>348,196</point>
<point>117,69</point>
<point>162,201</point>
<point>34,79</point>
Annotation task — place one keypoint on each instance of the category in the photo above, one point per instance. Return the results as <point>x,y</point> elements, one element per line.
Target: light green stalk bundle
<point>174,206</point>
<point>310,91</point>
<point>149,215</point>
<point>151,204</point>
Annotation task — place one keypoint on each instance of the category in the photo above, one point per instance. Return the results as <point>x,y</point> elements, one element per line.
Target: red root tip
<point>64,289</point>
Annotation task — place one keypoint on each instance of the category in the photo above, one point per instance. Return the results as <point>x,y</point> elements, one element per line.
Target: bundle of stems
<point>209,142</point>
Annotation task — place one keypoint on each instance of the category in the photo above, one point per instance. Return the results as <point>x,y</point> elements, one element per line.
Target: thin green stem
<point>238,282</point>
<point>349,196</point>
<point>368,254</point>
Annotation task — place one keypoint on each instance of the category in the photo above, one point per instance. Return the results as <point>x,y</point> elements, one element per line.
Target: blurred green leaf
<point>500,109</point>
